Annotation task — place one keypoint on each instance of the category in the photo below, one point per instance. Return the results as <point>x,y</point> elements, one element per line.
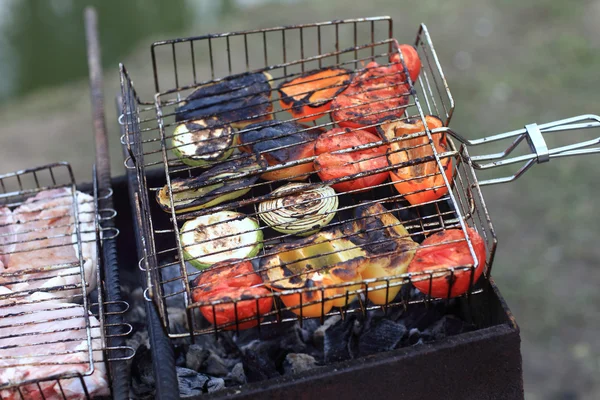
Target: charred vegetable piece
<point>411,59</point>
<point>423,181</point>
<point>282,142</point>
<point>201,143</point>
<point>308,97</point>
<point>389,245</point>
<point>331,165</point>
<point>318,261</point>
<point>301,212</point>
<point>238,100</point>
<point>378,94</point>
<point>229,281</point>
<point>212,238</point>
<point>444,250</point>
<point>214,186</point>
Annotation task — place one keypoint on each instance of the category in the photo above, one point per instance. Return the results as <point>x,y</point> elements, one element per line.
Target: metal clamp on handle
<point>537,143</point>
<point>534,134</point>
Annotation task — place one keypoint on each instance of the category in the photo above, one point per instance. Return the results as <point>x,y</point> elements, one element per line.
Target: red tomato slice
<point>436,253</point>
<point>411,59</point>
<point>225,281</point>
<point>334,166</point>
<point>378,94</point>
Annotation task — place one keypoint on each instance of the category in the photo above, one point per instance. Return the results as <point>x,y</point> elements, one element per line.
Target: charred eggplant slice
<point>239,100</point>
<point>224,235</point>
<point>203,142</point>
<point>282,142</point>
<point>389,244</point>
<point>214,186</point>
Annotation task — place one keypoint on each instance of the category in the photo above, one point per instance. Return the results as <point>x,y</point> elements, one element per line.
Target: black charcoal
<point>258,366</point>
<point>336,340</point>
<point>237,376</point>
<point>204,360</point>
<point>382,335</point>
<point>414,336</point>
<point>319,333</point>
<point>192,383</point>
<point>295,363</point>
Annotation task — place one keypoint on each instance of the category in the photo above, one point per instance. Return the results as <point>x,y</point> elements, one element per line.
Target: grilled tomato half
<point>444,250</point>
<point>240,289</point>
<point>378,94</point>
<point>331,164</point>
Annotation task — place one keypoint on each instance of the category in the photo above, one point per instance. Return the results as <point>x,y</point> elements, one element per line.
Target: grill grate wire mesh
<point>286,53</point>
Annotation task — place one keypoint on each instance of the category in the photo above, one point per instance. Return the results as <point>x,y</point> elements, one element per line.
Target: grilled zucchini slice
<point>203,142</point>
<point>224,235</point>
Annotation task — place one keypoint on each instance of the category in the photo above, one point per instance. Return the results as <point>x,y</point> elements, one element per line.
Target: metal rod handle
<point>534,135</point>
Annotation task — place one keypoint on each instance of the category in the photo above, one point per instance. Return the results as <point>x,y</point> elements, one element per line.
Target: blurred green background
<point>508,63</point>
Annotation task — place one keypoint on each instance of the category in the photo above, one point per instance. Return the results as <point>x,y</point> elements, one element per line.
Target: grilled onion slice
<point>214,186</point>
<point>203,142</point>
<point>212,238</point>
<point>299,213</point>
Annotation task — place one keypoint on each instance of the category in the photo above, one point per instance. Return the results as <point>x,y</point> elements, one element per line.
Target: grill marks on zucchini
<point>224,235</point>
<point>203,142</point>
<point>238,101</point>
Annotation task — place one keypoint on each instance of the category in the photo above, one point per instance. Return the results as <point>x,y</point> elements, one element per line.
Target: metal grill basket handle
<point>539,150</point>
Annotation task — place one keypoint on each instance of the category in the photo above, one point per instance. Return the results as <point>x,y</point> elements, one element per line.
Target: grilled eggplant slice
<point>214,186</point>
<point>239,100</point>
<point>213,238</point>
<point>320,260</point>
<point>282,142</point>
<point>389,244</point>
<point>203,142</point>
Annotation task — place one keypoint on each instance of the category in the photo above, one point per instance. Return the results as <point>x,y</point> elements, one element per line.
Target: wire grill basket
<point>190,69</point>
<point>53,313</point>
<point>287,53</point>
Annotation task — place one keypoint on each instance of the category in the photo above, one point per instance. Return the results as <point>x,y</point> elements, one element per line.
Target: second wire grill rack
<point>49,307</point>
<point>286,52</point>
